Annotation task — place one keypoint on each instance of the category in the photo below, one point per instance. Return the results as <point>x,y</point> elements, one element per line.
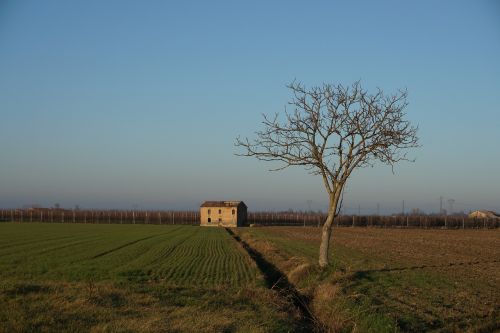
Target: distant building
<point>223,213</point>
<point>484,214</point>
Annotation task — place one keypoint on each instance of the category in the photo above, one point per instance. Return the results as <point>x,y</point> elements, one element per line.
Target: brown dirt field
<point>468,251</point>
<point>447,280</point>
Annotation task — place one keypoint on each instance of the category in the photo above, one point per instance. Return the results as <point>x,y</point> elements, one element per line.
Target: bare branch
<point>333,129</point>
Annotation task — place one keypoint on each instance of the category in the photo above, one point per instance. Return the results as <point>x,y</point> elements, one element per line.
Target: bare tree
<point>332,130</point>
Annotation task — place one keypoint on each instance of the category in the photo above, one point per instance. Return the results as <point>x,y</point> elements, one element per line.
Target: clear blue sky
<point>116,104</point>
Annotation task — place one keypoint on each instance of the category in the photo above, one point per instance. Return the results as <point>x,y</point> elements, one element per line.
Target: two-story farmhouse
<point>223,213</point>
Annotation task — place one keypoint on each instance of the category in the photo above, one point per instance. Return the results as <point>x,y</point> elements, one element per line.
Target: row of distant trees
<point>287,218</point>
<point>412,212</point>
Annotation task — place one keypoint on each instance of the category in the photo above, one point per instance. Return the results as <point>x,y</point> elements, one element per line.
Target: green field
<point>174,255</point>
<point>78,277</point>
<point>146,278</point>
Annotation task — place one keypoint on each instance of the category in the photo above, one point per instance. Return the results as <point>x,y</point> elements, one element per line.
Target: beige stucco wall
<point>482,215</point>
<point>224,219</point>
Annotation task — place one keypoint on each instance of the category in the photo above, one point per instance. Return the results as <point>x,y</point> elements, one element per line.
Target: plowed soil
<point>432,280</point>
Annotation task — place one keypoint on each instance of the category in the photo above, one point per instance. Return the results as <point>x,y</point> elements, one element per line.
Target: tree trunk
<point>327,227</point>
<point>325,239</point>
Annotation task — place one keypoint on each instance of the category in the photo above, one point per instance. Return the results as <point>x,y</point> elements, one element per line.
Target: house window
<point>220,211</point>
<point>209,220</point>
<point>209,212</point>
<point>233,212</point>
<point>220,220</point>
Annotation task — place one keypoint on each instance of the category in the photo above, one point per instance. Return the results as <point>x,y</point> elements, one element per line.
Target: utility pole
<point>359,210</point>
<point>450,204</point>
<point>441,205</point>
<point>309,203</point>
<point>403,208</point>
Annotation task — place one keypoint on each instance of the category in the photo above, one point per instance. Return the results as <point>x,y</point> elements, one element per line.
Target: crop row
<point>173,255</point>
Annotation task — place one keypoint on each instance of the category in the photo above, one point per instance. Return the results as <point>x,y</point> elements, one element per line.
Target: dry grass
<point>327,304</point>
<point>300,272</point>
<point>105,307</point>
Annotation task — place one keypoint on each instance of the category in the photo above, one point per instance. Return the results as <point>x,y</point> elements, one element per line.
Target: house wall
<point>483,215</point>
<point>242,216</point>
<point>225,218</point>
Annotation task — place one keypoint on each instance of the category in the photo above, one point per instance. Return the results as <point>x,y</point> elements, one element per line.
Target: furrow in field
<point>166,251</point>
<point>224,256</point>
<point>67,245</point>
<point>185,259</point>
<point>211,273</point>
<point>185,262</point>
<point>154,258</point>
<point>211,256</point>
<point>121,247</point>
<point>163,266</point>
<point>207,269</point>
<point>124,262</point>
<point>146,257</point>
<point>31,246</point>
<point>217,254</point>
<point>208,257</point>
<point>219,264</point>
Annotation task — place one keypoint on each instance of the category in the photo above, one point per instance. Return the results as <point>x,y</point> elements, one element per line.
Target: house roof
<point>485,213</point>
<point>222,204</point>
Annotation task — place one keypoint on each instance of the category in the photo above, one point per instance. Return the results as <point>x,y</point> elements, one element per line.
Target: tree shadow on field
<point>369,289</point>
<point>418,267</point>
<point>277,280</point>
<point>414,312</point>
<point>26,288</point>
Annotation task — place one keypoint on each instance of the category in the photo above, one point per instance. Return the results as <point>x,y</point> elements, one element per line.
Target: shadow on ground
<point>277,280</point>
